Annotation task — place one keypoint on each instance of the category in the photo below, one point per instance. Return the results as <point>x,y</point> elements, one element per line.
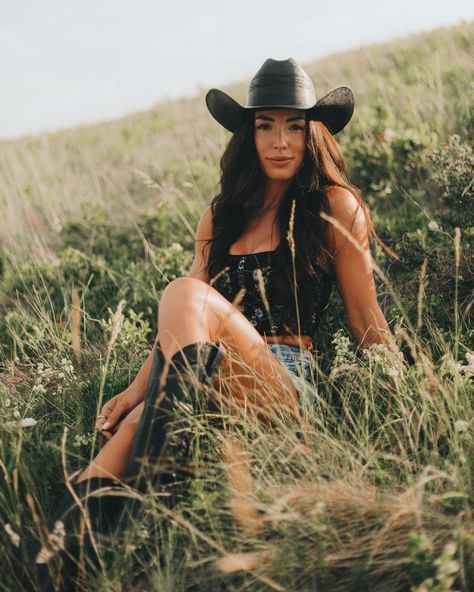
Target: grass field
<point>378,493</point>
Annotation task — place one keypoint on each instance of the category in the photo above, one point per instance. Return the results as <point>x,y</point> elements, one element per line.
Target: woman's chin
<point>280,175</point>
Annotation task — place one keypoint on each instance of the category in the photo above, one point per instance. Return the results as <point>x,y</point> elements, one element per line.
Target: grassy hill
<point>379,496</point>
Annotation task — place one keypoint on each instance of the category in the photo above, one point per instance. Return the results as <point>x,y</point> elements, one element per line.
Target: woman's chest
<point>258,237</point>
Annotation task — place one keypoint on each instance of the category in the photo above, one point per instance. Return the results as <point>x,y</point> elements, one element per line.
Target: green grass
<point>377,494</point>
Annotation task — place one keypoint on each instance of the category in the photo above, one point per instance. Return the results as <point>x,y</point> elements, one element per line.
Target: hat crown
<point>281,83</point>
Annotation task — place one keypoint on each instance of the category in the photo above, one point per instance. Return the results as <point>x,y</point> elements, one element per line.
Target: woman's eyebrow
<point>268,118</point>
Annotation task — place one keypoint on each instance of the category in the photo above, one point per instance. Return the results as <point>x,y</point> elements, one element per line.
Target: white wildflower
<point>144,533</point>
<point>344,354</point>
<point>82,439</point>
<point>433,225</point>
<point>469,367</point>
<point>14,536</point>
<point>392,371</point>
<point>28,422</point>
<point>461,426</point>
<point>176,247</point>
<point>39,389</point>
<point>7,402</point>
<point>376,352</point>
<point>67,366</point>
<point>56,542</point>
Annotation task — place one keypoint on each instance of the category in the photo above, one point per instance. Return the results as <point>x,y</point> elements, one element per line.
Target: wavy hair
<point>241,196</point>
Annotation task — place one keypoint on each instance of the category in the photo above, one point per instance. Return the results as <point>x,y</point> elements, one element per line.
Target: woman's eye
<point>263,126</point>
<point>297,127</point>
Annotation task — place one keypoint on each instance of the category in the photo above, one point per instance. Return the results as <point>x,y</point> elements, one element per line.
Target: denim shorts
<point>299,362</point>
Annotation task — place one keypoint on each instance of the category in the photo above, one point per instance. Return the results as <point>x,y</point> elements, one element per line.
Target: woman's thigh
<point>249,370</point>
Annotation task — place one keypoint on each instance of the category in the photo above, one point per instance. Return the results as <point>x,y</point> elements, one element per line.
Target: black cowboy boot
<point>70,545</point>
<point>160,448</point>
<point>75,534</point>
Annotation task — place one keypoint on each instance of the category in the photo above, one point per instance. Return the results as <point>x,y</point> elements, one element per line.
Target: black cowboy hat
<point>283,84</point>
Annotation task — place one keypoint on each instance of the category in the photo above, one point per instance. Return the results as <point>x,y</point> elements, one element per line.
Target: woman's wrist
<point>134,393</point>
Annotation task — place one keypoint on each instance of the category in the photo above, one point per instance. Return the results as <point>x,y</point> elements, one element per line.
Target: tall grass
<point>373,490</point>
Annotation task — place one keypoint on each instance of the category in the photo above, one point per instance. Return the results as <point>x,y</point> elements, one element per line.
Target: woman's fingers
<point>113,417</point>
<point>105,414</point>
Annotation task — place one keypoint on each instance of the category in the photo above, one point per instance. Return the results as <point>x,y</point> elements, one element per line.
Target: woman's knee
<point>183,287</point>
<point>190,297</point>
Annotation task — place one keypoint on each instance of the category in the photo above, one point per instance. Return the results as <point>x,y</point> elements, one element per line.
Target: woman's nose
<point>280,139</point>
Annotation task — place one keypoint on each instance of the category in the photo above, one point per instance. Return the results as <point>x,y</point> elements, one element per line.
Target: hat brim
<point>335,109</point>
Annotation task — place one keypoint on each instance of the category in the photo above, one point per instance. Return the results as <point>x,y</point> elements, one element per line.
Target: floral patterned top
<point>243,273</point>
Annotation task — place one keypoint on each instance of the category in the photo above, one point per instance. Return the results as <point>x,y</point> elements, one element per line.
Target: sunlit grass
<point>372,488</point>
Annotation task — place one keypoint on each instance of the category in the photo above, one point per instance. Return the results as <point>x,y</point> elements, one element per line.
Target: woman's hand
<point>114,410</point>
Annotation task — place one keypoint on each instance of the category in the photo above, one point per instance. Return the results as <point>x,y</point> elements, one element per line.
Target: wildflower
<point>82,439</point>
<point>392,371</point>
<point>14,536</point>
<point>375,352</point>
<point>39,389</point>
<point>67,366</point>
<point>469,367</point>
<point>144,533</point>
<point>176,247</point>
<point>461,425</point>
<point>433,225</point>
<point>344,355</point>
<point>56,541</point>
<point>28,422</point>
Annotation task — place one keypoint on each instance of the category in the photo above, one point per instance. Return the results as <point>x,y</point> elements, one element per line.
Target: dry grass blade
<point>233,562</point>
<point>421,292</point>
<point>76,323</point>
<point>242,502</point>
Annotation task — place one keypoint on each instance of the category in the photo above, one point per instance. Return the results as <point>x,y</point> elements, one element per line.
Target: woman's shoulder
<point>204,229</point>
<point>341,201</point>
<point>346,207</point>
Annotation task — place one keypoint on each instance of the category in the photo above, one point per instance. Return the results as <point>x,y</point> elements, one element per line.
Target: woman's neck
<point>274,194</point>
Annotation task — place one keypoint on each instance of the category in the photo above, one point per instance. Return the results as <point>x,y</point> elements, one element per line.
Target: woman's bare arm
<point>114,410</point>
<point>353,269</point>
<point>203,233</point>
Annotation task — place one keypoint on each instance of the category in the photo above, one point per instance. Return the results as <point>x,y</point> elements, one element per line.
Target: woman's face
<point>280,141</point>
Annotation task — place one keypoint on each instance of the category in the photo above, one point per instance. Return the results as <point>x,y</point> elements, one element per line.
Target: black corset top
<point>266,316</point>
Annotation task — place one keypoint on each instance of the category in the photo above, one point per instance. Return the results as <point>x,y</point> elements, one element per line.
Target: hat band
<point>277,80</point>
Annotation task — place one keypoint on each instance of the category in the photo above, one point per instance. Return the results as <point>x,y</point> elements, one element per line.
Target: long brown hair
<point>241,196</point>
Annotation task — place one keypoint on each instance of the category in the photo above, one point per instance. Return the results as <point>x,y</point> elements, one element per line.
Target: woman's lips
<point>280,161</point>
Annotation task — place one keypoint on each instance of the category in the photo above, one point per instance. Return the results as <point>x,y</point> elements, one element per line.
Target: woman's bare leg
<point>111,460</point>
<point>190,311</point>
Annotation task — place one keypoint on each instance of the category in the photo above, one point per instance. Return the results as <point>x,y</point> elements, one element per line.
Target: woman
<point>263,233</point>
<point>282,148</point>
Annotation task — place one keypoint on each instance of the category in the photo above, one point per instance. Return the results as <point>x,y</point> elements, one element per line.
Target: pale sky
<point>66,62</point>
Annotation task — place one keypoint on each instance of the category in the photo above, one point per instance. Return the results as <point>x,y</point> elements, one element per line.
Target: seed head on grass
<point>242,500</point>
